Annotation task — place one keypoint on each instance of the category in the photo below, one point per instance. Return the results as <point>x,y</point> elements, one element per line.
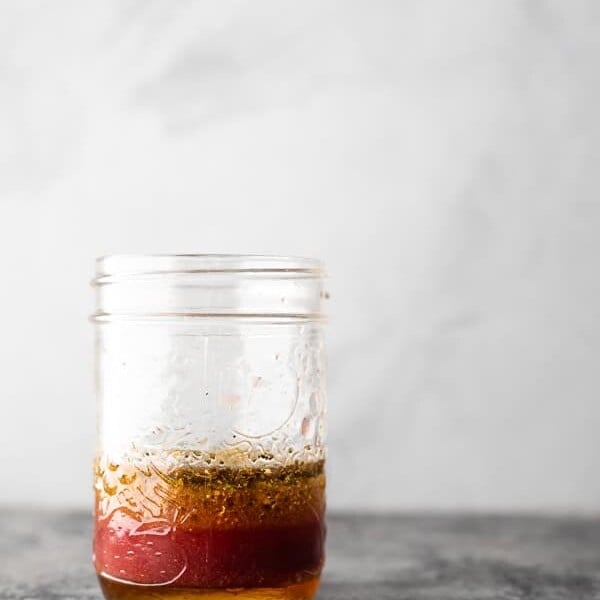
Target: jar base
<point>113,590</point>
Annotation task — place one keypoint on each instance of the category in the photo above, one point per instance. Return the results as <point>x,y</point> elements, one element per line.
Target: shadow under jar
<point>209,470</point>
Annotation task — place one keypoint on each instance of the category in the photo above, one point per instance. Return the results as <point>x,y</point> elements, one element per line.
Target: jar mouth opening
<point>117,266</point>
<point>181,286</point>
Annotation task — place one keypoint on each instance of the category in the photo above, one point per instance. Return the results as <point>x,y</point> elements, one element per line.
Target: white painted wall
<point>441,157</point>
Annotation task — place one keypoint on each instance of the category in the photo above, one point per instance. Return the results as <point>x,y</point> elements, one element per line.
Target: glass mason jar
<point>209,476</point>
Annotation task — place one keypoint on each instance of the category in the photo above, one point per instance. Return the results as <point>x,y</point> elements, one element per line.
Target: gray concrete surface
<point>46,556</point>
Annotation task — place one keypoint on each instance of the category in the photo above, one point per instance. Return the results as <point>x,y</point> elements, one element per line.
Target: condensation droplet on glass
<point>305,427</point>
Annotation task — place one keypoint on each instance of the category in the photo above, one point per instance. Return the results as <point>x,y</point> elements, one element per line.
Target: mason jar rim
<point>180,286</point>
<point>116,266</point>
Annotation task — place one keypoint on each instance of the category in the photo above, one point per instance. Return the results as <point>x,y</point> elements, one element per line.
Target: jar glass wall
<point>209,471</point>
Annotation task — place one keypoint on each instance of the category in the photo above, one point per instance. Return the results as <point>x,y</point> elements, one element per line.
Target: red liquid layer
<point>257,557</point>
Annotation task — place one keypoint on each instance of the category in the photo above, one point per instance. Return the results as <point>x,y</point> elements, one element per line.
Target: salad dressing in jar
<point>209,471</point>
